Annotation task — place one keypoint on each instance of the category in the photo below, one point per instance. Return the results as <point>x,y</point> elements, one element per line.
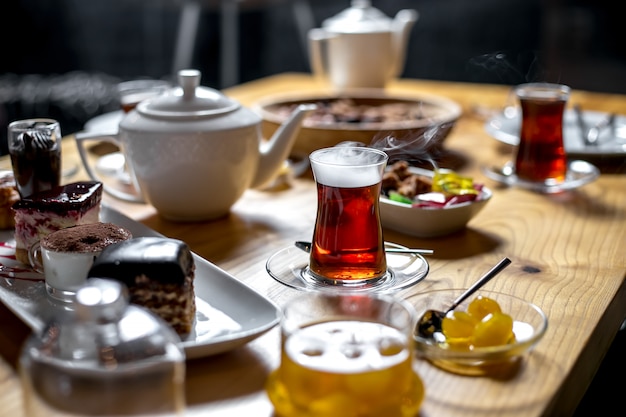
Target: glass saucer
<point>290,267</point>
<point>579,173</point>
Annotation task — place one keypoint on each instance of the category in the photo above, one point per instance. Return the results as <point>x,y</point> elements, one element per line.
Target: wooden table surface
<point>567,251</point>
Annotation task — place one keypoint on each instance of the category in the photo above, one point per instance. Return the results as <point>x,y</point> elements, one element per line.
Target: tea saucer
<point>112,172</point>
<point>578,174</point>
<point>114,165</point>
<point>290,267</point>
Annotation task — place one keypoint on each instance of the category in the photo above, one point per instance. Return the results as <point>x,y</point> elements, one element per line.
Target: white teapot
<point>360,47</point>
<point>192,152</point>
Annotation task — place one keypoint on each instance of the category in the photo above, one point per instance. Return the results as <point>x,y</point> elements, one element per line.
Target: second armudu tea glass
<point>348,246</point>
<point>540,154</point>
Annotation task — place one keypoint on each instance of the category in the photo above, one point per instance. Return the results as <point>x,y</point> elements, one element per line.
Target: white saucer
<point>290,267</point>
<point>107,122</point>
<point>579,173</point>
<point>114,165</point>
<point>612,141</point>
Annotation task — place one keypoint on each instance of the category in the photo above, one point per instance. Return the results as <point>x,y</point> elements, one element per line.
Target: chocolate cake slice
<point>64,206</point>
<point>159,273</point>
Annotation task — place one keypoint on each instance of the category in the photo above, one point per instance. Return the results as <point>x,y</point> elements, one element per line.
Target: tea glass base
<point>504,368</point>
<point>290,267</point>
<point>285,403</point>
<point>60,295</point>
<point>578,174</point>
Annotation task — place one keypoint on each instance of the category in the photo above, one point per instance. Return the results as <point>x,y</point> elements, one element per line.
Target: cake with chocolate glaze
<point>64,206</point>
<point>159,273</point>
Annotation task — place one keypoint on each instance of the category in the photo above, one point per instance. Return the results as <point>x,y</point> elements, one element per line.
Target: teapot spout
<point>402,25</point>
<point>275,151</point>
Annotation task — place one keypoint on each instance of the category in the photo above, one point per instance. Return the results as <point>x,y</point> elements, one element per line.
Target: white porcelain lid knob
<point>360,18</point>
<point>190,100</point>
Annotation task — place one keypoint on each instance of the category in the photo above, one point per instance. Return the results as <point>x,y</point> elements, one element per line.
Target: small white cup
<point>64,272</point>
<point>66,255</point>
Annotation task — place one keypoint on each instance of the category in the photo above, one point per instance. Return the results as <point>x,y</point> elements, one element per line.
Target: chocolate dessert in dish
<point>159,273</point>
<point>90,237</point>
<point>64,206</point>
<point>36,161</point>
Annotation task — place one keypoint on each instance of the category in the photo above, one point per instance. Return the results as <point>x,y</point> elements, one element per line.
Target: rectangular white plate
<point>229,313</point>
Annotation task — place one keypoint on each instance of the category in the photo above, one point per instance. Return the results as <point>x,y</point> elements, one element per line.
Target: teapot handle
<point>318,54</point>
<point>80,139</point>
<point>403,23</point>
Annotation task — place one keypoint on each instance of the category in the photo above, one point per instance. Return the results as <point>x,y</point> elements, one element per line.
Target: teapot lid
<point>190,100</point>
<point>360,17</point>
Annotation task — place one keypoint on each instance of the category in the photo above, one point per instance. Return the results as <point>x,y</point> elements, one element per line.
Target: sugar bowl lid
<point>101,299</point>
<point>359,18</point>
<point>189,100</point>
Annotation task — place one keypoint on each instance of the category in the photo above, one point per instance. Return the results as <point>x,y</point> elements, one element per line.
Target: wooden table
<point>567,251</point>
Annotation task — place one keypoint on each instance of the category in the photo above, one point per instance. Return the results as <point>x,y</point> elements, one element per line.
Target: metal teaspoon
<point>430,322</point>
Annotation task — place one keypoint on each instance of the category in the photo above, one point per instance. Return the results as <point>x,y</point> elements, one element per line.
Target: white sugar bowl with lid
<point>360,47</point>
<point>103,356</point>
<point>192,152</point>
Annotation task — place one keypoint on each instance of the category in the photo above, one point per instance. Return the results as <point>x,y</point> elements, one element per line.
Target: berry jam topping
<point>79,195</point>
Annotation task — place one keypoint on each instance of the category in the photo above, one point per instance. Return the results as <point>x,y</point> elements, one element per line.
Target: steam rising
<point>418,147</point>
<point>423,147</point>
<point>336,166</point>
<point>504,68</point>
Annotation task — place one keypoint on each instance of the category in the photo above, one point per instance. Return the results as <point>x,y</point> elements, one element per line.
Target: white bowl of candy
<point>424,203</point>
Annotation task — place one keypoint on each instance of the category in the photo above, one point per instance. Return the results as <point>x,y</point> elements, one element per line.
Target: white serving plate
<point>230,314</point>
<point>612,142</point>
<point>107,122</point>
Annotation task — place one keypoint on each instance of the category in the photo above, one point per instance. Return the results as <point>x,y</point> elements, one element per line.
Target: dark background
<point>576,42</point>
<point>62,58</point>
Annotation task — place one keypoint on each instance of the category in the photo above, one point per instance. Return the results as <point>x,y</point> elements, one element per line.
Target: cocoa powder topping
<point>92,237</point>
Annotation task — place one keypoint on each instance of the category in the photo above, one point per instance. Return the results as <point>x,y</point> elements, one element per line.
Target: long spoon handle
<point>482,281</point>
<point>582,126</point>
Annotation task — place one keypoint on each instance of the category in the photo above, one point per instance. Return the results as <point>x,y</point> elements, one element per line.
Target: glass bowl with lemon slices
<point>487,334</point>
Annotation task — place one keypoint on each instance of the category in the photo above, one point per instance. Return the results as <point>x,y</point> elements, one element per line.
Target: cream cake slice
<point>40,214</point>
